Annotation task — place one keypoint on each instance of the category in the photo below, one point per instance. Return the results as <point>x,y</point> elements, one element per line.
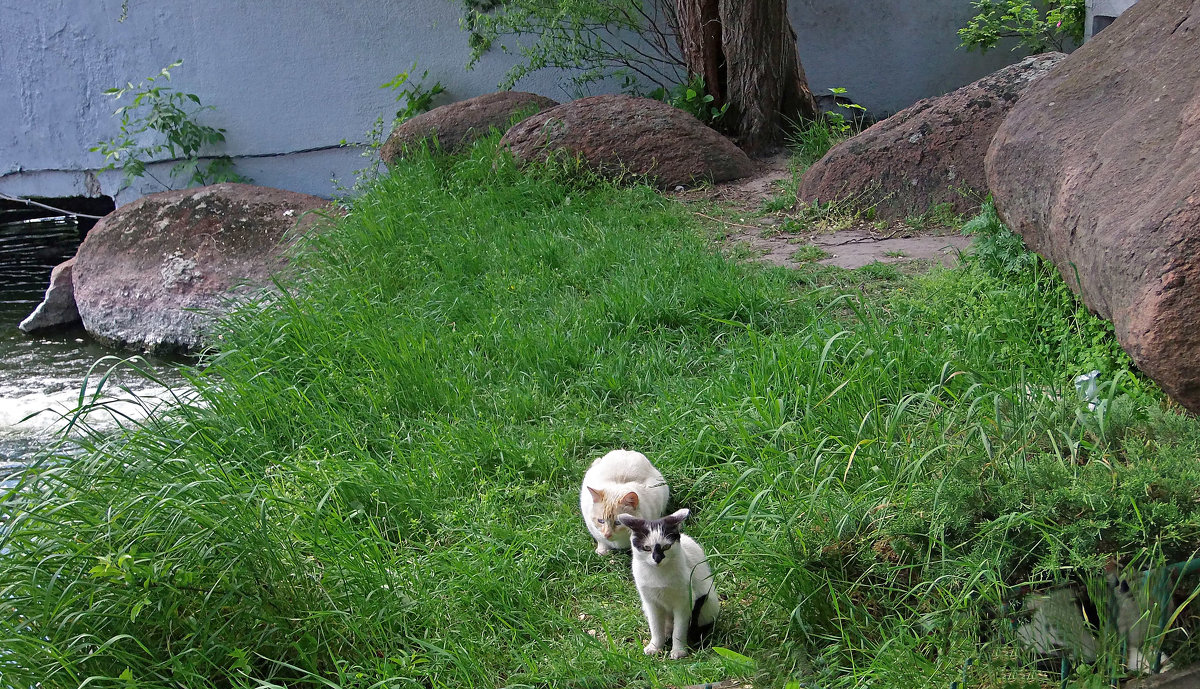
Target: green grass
<point>809,253</point>
<point>880,271</point>
<point>810,140</point>
<point>937,215</point>
<point>379,488</point>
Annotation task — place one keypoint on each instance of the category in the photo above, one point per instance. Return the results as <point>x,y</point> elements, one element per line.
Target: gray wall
<point>1106,9</point>
<point>287,76</point>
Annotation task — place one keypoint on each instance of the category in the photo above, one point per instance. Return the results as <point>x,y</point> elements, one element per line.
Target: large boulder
<point>155,274</point>
<point>1098,168</point>
<point>58,306</point>
<point>927,154</point>
<point>615,135</point>
<point>457,125</point>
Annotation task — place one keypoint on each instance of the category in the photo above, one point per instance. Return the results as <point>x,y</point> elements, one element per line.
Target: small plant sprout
<point>693,98</point>
<point>416,97</point>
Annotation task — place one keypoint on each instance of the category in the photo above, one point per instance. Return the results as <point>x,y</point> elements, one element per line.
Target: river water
<point>41,375</point>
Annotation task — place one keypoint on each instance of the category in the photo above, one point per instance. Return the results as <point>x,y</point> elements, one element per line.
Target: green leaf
<point>137,609</point>
<point>734,656</point>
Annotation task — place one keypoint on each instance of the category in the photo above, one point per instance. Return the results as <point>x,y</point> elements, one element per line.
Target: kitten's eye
<point>599,521</point>
<point>646,548</point>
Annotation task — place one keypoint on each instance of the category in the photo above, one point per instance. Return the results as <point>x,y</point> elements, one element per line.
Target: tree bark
<point>700,40</point>
<point>746,51</point>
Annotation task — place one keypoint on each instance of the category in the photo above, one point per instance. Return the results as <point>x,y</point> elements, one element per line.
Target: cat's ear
<point>630,500</point>
<point>633,523</point>
<point>597,495</point>
<point>677,517</point>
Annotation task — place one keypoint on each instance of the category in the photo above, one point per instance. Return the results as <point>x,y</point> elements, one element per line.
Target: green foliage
<point>809,253</point>
<point>692,98</point>
<point>415,98</point>
<point>845,124</point>
<point>377,483</point>
<point>159,120</point>
<point>937,215</point>
<point>1067,331</point>
<point>590,40</point>
<point>1038,25</point>
<point>877,270</point>
<point>413,94</point>
<point>810,141</point>
<point>998,250</point>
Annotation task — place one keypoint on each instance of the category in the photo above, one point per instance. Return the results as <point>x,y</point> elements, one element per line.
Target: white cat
<point>674,582</point>
<point>620,482</point>
<point>1067,621</point>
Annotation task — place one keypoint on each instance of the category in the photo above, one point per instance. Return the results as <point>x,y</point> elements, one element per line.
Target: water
<point>41,375</point>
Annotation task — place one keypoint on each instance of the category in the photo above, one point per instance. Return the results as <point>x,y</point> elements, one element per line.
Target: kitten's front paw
<point>677,653</point>
<point>602,549</point>
<point>650,649</point>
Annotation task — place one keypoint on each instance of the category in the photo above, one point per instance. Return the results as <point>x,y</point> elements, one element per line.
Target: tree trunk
<point>746,51</point>
<point>700,40</point>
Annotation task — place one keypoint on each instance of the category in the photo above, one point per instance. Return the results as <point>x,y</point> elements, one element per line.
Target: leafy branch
<point>159,124</point>
<point>1038,26</point>
<point>592,40</point>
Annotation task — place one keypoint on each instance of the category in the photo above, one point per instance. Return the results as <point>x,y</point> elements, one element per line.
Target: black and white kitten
<point>674,582</point>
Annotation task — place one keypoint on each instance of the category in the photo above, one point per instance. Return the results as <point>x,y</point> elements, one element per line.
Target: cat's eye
<point>646,548</point>
<point>599,521</point>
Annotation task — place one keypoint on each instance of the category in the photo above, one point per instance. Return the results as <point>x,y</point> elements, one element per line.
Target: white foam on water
<point>45,413</point>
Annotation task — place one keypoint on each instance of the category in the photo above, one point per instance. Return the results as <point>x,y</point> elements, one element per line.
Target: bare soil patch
<point>741,209</point>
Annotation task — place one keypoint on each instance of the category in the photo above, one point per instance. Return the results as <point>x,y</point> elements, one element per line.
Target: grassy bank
<point>380,487</point>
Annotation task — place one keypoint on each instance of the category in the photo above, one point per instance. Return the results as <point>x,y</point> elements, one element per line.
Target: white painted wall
<point>290,76</point>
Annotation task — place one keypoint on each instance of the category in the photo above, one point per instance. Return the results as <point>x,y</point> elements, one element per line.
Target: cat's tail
<point>699,633</point>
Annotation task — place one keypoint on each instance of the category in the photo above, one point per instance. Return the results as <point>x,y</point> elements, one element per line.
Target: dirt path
<point>791,237</point>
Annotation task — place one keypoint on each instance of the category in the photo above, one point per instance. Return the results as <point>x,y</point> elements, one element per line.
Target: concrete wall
<point>286,76</point>
<point>1105,11</point>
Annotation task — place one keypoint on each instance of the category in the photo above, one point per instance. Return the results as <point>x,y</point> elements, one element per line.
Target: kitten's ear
<point>632,523</point>
<point>630,500</point>
<point>677,517</point>
<point>597,495</point>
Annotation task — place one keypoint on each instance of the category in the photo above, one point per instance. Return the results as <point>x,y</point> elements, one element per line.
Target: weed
<point>779,202</point>
<point>810,141</point>
<point>159,120</point>
<point>809,253</point>
<point>692,98</point>
<point>998,249</point>
<point>895,253</point>
<point>829,216</point>
<point>937,215</point>
<point>880,271</point>
<point>415,98</point>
